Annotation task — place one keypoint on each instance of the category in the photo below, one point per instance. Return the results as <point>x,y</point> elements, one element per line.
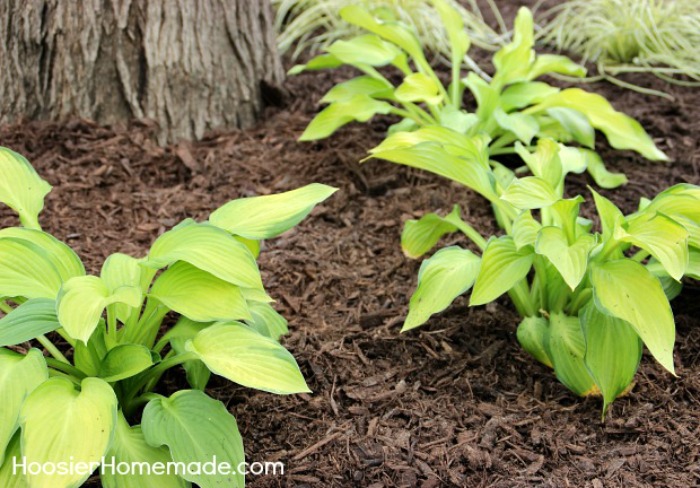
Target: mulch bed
<point>456,403</point>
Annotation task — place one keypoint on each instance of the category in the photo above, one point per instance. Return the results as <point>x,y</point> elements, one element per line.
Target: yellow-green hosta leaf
<point>196,429</point>
<point>530,192</point>
<point>554,63</point>
<point>610,216</point>
<point>199,295</point>
<point>362,85</point>
<point>28,321</point>
<point>573,159</point>
<point>672,288</point>
<point>125,361</point>
<point>622,131</point>
<point>570,260</point>
<point>246,357</point>
<point>268,216</point>
<point>600,174</point>
<point>367,49</point>
<point>358,108</point>
<point>681,203</point>
<point>521,95</point>
<point>82,301</point>
<point>27,271</point>
<point>449,273</point>
<point>565,213</point>
<point>525,230</point>
<point>487,101</point>
<point>210,248</point>
<point>61,424</point>
<point>454,26</point>
<point>502,267</point>
<point>88,357</point>
<point>544,162</point>
<point>532,335</point>
<point>450,118</point>
<point>10,477</point>
<point>120,270</point>
<point>267,321</point>
<point>419,87</point>
<point>322,61</point>
<point>662,237</point>
<point>575,123</point>
<point>19,376</point>
<point>21,188</point>
<point>420,236</point>
<point>64,259</point>
<point>453,142</point>
<point>566,346</point>
<point>626,290</point>
<point>513,61</point>
<point>613,351</point>
<point>525,127</point>
<point>130,446</point>
<point>196,372</point>
<point>693,270</point>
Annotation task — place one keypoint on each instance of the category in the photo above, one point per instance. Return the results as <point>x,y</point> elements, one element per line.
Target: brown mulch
<point>456,403</point>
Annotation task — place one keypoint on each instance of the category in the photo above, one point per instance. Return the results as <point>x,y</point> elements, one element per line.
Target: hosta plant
<point>82,355</point>
<point>589,298</point>
<point>512,107</point>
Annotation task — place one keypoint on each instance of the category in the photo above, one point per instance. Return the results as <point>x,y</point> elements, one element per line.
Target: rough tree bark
<point>190,65</point>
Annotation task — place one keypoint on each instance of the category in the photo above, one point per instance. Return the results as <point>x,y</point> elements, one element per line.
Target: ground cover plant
<point>654,36</point>
<point>535,122</point>
<point>308,26</point>
<point>196,300</point>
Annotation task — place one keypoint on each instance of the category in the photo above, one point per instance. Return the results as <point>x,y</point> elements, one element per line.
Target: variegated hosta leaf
<point>21,188</point>
<point>268,216</point>
<point>244,356</point>
<point>61,424</point>
<point>196,429</point>
<point>449,273</point>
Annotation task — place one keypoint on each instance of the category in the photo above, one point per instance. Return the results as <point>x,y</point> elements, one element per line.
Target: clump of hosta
<point>93,395</point>
<point>589,298</point>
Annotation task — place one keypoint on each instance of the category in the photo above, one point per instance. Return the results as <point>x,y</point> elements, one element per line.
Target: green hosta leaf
<point>575,123</point>
<point>125,361</point>
<point>196,429</point>
<point>554,63</point>
<point>21,188</point>
<point>88,357</point>
<point>672,288</point>
<point>323,61</point>
<point>521,95</point>
<point>267,321</point>
<point>613,351</point>
<point>601,175</point>
<point>486,101</point>
<point>61,424</point>
<point>566,346</point>
<point>625,290</point>
<point>418,87</point>
<point>693,270</point>
<point>120,270</point>
<point>362,85</point>
<point>19,376</point>
<point>570,260</point>
<point>532,335</point>
<point>358,108</point>
<point>244,356</point>
<point>63,258</point>
<point>26,271</point>
<point>394,33</point>
<point>268,216</point>
<point>199,295</point>
<point>524,126</point>
<point>610,215</point>
<point>454,25</point>
<point>622,131</point>
<point>196,371</point>
<point>474,148</point>
<point>366,49</point>
<point>564,214</point>
<point>544,162</point>
<point>513,61</point>
<point>502,267</point>
<point>681,203</point>
<point>454,119</point>
<point>210,249</point>
<point>82,301</point>
<point>525,230</point>
<point>434,158</point>
<point>662,237</point>
<point>449,273</point>
<point>420,236</point>
<point>28,321</point>
<point>573,159</point>
<point>13,456</point>
<point>130,447</point>
<point>529,193</point>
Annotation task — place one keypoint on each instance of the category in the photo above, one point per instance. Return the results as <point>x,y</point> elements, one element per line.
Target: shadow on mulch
<point>456,403</point>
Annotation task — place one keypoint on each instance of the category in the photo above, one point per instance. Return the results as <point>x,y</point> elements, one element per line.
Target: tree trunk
<point>190,65</point>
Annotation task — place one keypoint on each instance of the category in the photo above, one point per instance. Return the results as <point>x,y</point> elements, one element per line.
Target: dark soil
<point>456,403</point>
